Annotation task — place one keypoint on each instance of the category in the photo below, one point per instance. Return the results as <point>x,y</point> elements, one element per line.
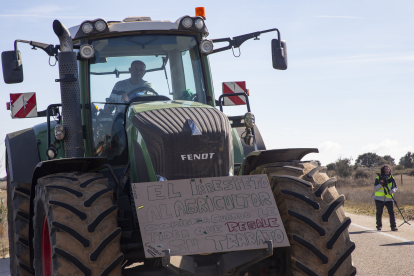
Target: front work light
<point>100,25</point>
<point>199,23</point>
<point>206,46</point>
<point>59,132</point>
<point>87,27</point>
<point>86,51</point>
<point>187,22</point>
<point>249,120</point>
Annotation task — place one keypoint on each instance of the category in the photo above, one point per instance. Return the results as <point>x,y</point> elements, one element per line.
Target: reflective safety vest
<point>381,192</point>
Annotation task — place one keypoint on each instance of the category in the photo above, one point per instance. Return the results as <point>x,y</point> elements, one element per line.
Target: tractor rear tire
<point>75,226</point>
<point>314,219</point>
<point>18,209</point>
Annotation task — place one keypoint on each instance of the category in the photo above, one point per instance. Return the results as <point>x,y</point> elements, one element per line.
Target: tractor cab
<point>132,69</point>
<point>124,64</point>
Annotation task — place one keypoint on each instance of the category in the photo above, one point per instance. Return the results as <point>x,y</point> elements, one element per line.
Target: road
<point>377,253</point>
<point>5,267</point>
<point>382,252</point>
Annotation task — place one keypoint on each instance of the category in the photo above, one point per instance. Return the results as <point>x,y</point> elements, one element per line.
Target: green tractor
<point>75,181</point>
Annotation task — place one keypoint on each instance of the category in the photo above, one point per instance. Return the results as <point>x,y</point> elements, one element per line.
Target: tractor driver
<point>121,89</point>
<point>119,94</point>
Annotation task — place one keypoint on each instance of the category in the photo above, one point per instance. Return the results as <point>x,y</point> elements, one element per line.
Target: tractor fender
<point>26,148</point>
<point>22,155</point>
<point>260,157</point>
<point>81,164</point>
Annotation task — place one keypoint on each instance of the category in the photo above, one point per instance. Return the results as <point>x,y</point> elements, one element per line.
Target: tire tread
<point>100,218</point>
<point>324,259</point>
<point>86,270</point>
<point>70,208</point>
<point>84,241</point>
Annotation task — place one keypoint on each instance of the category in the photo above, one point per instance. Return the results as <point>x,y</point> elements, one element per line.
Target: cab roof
<point>137,23</point>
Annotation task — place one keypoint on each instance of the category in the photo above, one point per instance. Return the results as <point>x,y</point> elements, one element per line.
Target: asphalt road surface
<point>382,252</point>
<point>377,253</point>
<point>4,267</point>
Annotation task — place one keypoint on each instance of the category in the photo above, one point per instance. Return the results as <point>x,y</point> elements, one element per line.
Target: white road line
<point>382,233</point>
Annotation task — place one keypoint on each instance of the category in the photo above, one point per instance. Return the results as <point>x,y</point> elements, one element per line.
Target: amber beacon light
<point>200,11</point>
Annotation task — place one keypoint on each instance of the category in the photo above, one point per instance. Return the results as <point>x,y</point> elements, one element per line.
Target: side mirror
<point>279,54</point>
<point>12,67</point>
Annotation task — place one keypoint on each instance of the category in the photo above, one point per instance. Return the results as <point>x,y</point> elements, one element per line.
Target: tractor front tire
<point>314,219</point>
<point>18,209</point>
<point>75,226</point>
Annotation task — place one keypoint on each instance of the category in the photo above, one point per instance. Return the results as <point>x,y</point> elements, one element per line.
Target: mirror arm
<point>238,40</point>
<point>50,49</point>
<point>228,39</point>
<point>15,47</point>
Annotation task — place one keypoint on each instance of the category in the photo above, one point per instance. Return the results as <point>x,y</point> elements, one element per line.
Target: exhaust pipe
<point>70,93</point>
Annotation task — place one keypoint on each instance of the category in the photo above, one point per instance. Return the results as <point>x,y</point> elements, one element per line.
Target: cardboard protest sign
<point>207,215</point>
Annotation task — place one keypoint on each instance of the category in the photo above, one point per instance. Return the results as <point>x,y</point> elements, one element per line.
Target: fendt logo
<point>199,156</point>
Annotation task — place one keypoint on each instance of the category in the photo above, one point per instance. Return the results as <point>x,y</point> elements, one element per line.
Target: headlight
<point>86,51</point>
<point>249,120</point>
<point>199,23</point>
<point>187,22</point>
<point>87,27</point>
<point>59,132</point>
<point>206,46</point>
<point>51,152</point>
<point>100,25</point>
<point>161,178</point>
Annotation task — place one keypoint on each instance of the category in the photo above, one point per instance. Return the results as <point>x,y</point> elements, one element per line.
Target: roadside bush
<point>388,160</point>
<point>370,159</point>
<point>407,160</point>
<point>343,167</point>
<point>331,167</point>
<point>399,167</point>
<point>360,174</point>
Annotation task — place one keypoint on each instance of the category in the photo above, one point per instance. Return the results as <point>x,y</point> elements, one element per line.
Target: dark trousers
<point>380,209</point>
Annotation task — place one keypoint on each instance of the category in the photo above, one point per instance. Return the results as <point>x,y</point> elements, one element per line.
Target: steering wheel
<point>194,98</point>
<point>143,88</point>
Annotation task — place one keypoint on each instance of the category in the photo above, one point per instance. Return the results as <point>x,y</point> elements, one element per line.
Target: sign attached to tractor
<point>207,215</point>
<point>23,105</point>
<point>234,87</point>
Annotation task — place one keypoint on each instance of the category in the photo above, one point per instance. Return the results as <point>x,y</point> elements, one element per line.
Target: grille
<point>168,137</point>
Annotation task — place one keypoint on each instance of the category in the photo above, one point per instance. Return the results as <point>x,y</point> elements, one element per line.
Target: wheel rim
<point>46,250</point>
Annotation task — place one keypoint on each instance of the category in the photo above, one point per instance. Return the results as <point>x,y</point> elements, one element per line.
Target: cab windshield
<point>139,68</point>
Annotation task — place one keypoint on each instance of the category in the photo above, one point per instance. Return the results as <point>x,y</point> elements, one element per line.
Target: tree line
<point>344,168</point>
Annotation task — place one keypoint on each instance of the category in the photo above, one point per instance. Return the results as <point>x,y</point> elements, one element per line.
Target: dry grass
<point>4,241</point>
<point>3,220</point>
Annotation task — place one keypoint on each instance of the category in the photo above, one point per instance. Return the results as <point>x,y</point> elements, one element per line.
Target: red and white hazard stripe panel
<point>23,105</point>
<point>234,87</point>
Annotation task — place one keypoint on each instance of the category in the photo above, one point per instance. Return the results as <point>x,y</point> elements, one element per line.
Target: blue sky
<point>348,88</point>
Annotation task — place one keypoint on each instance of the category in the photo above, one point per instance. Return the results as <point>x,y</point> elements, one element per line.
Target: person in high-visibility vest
<point>383,196</point>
